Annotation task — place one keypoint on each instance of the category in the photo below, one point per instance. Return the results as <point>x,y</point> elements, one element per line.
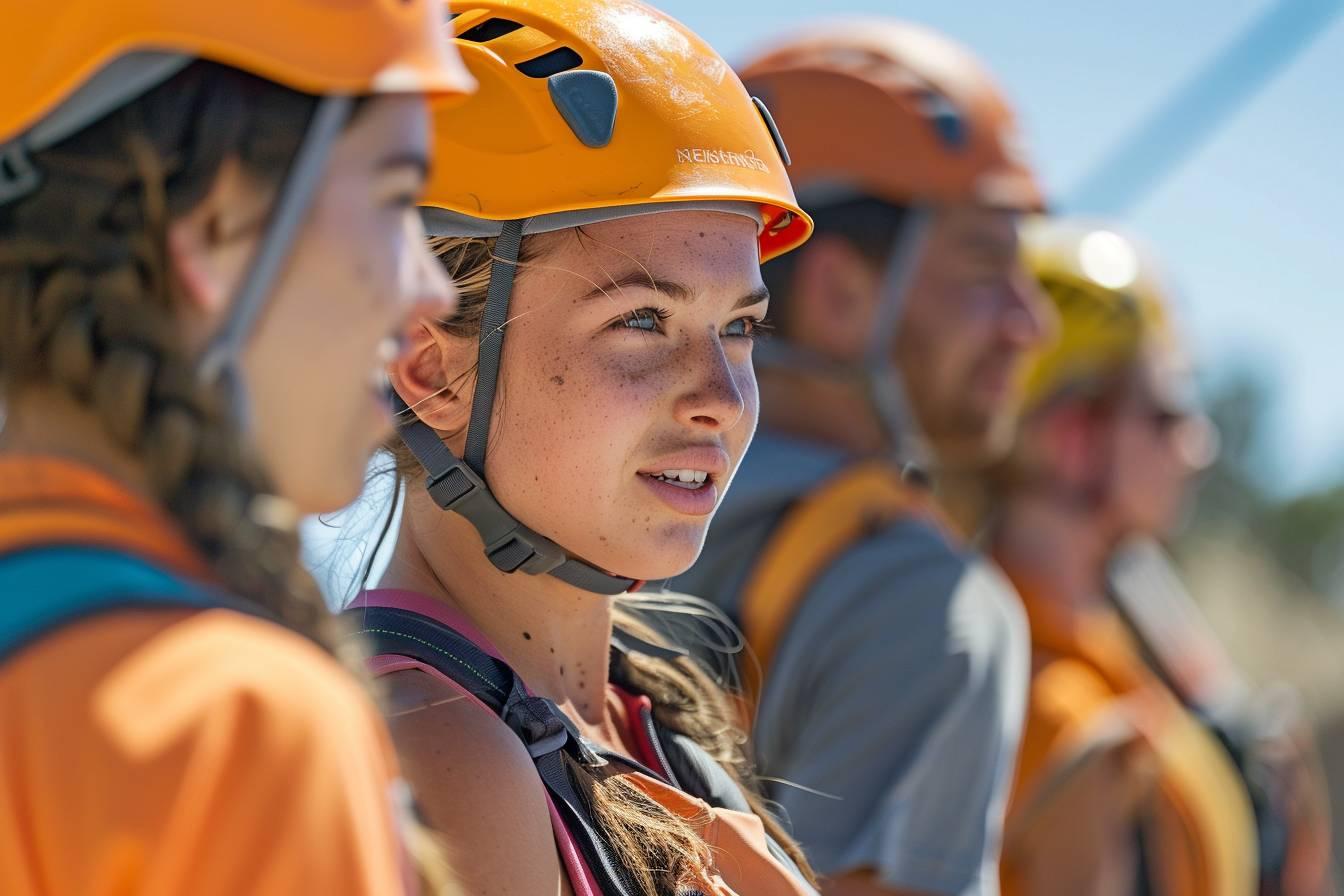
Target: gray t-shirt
<point>890,722</point>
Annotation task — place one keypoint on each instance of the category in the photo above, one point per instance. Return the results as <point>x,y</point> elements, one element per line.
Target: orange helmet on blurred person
<point>895,111</point>
<point>887,112</point>
<point>66,63</point>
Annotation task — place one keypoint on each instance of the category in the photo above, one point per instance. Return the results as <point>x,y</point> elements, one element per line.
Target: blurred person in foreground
<point>891,661</point>
<point>188,193</point>
<point>1140,769</point>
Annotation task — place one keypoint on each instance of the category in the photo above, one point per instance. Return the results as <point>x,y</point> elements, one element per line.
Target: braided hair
<point>86,307</point>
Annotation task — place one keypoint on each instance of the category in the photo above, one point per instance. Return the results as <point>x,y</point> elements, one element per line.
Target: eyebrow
<point>408,159</point>
<point>672,289</point>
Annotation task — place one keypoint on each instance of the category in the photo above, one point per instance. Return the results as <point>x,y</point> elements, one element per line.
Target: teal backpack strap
<point>43,589</point>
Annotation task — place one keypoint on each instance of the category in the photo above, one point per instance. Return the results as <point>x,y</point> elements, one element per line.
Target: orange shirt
<point>1200,828</point>
<point>175,751</point>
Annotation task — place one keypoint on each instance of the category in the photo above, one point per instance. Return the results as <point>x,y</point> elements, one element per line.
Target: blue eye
<point>646,319</point>
<point>743,328</point>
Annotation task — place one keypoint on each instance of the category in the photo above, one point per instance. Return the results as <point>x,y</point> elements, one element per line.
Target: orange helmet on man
<point>887,112</point>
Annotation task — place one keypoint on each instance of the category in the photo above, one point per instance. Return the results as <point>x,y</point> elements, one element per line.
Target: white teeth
<point>683,477</point>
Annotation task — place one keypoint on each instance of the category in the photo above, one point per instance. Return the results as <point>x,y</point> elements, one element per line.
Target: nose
<point>1028,318</point>
<point>427,291</point>
<point>713,400</point>
<point>1197,442</point>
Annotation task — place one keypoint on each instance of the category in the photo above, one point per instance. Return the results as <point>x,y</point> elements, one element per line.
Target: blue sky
<point>1247,226</point>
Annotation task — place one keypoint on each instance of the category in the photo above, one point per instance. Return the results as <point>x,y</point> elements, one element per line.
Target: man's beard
<point>970,439</point>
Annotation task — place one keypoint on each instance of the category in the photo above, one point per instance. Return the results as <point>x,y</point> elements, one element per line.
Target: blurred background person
<point>1134,774</point>
<point>892,660</point>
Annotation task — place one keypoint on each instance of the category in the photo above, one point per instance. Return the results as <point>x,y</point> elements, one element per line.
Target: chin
<point>659,558</point>
<point>323,491</point>
<point>975,441</point>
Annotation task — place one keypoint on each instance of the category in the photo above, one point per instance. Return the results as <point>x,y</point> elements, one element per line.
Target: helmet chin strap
<point>220,363</point>
<point>877,372</point>
<point>458,484</point>
<point>885,388</point>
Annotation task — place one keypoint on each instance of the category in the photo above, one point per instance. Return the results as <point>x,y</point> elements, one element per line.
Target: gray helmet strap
<point>295,199</point>
<point>882,379</point>
<point>458,484</point>
<point>494,318</point>
<point>876,372</point>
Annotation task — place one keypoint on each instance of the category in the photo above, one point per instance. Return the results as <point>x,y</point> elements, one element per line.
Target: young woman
<point>581,416</point>
<point>189,193</point>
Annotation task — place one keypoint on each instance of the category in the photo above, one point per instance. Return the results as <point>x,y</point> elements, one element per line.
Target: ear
<point>427,379</point>
<point>210,246</point>
<point>834,294</point>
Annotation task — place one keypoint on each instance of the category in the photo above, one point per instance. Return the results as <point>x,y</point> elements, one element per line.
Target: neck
<point>554,635</point>
<point>822,409</point>
<point>44,420</point>
<point>1057,548</point>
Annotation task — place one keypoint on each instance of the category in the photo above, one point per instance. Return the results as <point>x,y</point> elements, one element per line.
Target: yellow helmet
<point>1113,306</point>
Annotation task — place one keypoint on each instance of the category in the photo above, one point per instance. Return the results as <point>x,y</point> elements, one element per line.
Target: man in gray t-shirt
<point>889,721</point>
<point>892,705</point>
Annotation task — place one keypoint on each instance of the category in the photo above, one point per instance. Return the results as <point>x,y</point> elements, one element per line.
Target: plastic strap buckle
<point>509,544</point>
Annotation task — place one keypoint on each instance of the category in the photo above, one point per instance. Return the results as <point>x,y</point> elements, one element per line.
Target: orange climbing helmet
<point>588,110</point>
<point>893,110</point>
<point>594,109</point>
<point>48,50</point>
<point>66,63</point>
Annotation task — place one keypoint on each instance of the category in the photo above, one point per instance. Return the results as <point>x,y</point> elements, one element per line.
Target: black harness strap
<point>549,735</point>
<point>542,728</point>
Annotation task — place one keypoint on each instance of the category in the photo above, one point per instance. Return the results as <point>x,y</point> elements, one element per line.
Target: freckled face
<point>627,395</point>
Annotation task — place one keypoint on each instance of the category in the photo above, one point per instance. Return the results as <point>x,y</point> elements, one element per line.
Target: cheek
<point>561,404</point>
<point>740,436</point>
<point>358,252</point>
<point>1147,465</point>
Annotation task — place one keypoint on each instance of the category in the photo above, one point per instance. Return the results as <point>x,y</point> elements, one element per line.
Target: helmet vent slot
<point>553,63</point>
<point>489,30</point>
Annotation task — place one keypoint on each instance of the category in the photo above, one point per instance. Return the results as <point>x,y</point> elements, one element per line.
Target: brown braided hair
<point>661,851</point>
<point>86,305</point>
